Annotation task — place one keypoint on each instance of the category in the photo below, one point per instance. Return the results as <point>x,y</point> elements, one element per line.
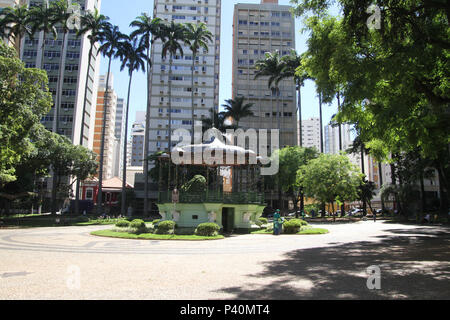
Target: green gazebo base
<point>238,218</point>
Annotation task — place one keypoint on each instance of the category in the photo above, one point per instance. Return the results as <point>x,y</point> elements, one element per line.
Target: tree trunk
<point>147,133</point>
<point>443,203</point>
<point>300,112</point>
<point>102,146</point>
<point>83,116</point>
<point>321,120</point>
<point>192,97</point>
<point>124,168</point>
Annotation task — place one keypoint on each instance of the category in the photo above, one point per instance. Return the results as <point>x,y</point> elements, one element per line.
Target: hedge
<point>123,224</point>
<point>208,229</point>
<point>166,227</point>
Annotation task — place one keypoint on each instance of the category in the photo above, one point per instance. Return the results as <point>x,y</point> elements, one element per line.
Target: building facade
<point>257,29</point>
<point>206,73</point>
<point>66,65</point>
<point>331,135</point>
<point>110,138</point>
<point>311,133</point>
<point>119,134</point>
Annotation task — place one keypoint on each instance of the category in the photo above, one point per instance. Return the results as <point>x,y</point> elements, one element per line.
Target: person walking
<point>277,223</point>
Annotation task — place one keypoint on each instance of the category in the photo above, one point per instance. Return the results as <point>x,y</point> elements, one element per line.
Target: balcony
<point>213,196</point>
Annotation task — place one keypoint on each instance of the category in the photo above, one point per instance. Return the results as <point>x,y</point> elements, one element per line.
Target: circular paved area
<point>69,263</point>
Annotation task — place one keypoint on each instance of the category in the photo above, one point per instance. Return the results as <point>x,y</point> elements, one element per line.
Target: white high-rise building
<point>137,140</point>
<point>206,72</point>
<point>311,133</point>
<point>331,135</point>
<point>257,29</point>
<point>119,134</point>
<point>68,68</point>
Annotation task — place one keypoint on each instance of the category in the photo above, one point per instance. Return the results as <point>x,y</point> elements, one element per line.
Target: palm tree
<point>271,67</point>
<point>290,64</point>
<point>216,121</point>
<point>236,109</point>
<point>150,30</point>
<point>59,15</point>
<point>15,24</point>
<point>93,24</point>
<point>173,34</point>
<point>197,36</point>
<point>43,20</point>
<point>133,57</point>
<point>112,40</point>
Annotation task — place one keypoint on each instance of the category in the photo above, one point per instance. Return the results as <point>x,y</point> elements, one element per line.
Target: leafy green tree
<point>291,159</point>
<point>24,100</point>
<point>330,177</point>
<point>393,81</point>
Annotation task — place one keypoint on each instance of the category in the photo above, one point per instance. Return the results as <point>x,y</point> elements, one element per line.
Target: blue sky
<point>121,13</point>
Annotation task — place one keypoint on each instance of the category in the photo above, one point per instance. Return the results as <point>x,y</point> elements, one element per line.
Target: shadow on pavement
<point>414,264</point>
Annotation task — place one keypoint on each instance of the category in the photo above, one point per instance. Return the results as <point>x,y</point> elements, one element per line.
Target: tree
<point>93,24</point>
<point>24,100</point>
<point>330,177</point>
<point>43,20</point>
<point>290,64</point>
<point>173,34</point>
<point>272,67</point>
<point>393,80</point>
<point>197,36</point>
<point>133,57</point>
<point>291,159</point>
<point>15,23</point>
<point>112,38</point>
<point>236,109</point>
<point>149,30</point>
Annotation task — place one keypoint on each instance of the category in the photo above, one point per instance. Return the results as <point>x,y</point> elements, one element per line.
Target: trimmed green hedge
<point>292,226</point>
<point>123,224</point>
<point>207,229</point>
<point>137,224</point>
<point>166,227</point>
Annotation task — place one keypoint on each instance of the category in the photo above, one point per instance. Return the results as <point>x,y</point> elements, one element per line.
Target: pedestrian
<point>374,216</point>
<point>277,223</point>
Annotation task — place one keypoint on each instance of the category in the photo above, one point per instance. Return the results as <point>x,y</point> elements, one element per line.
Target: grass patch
<point>307,230</point>
<point>151,236</point>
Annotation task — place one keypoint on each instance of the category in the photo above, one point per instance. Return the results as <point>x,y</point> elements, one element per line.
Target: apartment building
<point>311,133</point>
<point>110,138</point>
<point>68,68</point>
<point>331,135</point>
<point>137,140</point>
<point>257,29</point>
<point>206,72</point>
<point>119,134</point>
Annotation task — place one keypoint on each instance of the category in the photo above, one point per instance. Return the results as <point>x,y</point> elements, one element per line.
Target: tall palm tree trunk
<point>57,104</point>
<point>300,112</point>
<point>102,146</point>
<point>340,147</point>
<point>363,172</point>
<point>83,116</point>
<point>192,95</point>
<point>170,106</point>
<point>147,132</point>
<point>321,122</point>
<point>124,168</point>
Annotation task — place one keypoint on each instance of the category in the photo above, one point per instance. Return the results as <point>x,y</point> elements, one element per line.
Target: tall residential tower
<point>257,29</point>
<point>206,72</point>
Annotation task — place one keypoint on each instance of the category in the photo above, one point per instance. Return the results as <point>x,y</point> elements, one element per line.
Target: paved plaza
<point>69,263</point>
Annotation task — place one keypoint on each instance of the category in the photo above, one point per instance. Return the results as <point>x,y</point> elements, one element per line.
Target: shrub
<point>156,221</point>
<point>166,227</point>
<point>263,220</point>
<point>123,224</point>
<point>138,224</point>
<point>207,229</point>
<point>82,219</point>
<point>292,226</point>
